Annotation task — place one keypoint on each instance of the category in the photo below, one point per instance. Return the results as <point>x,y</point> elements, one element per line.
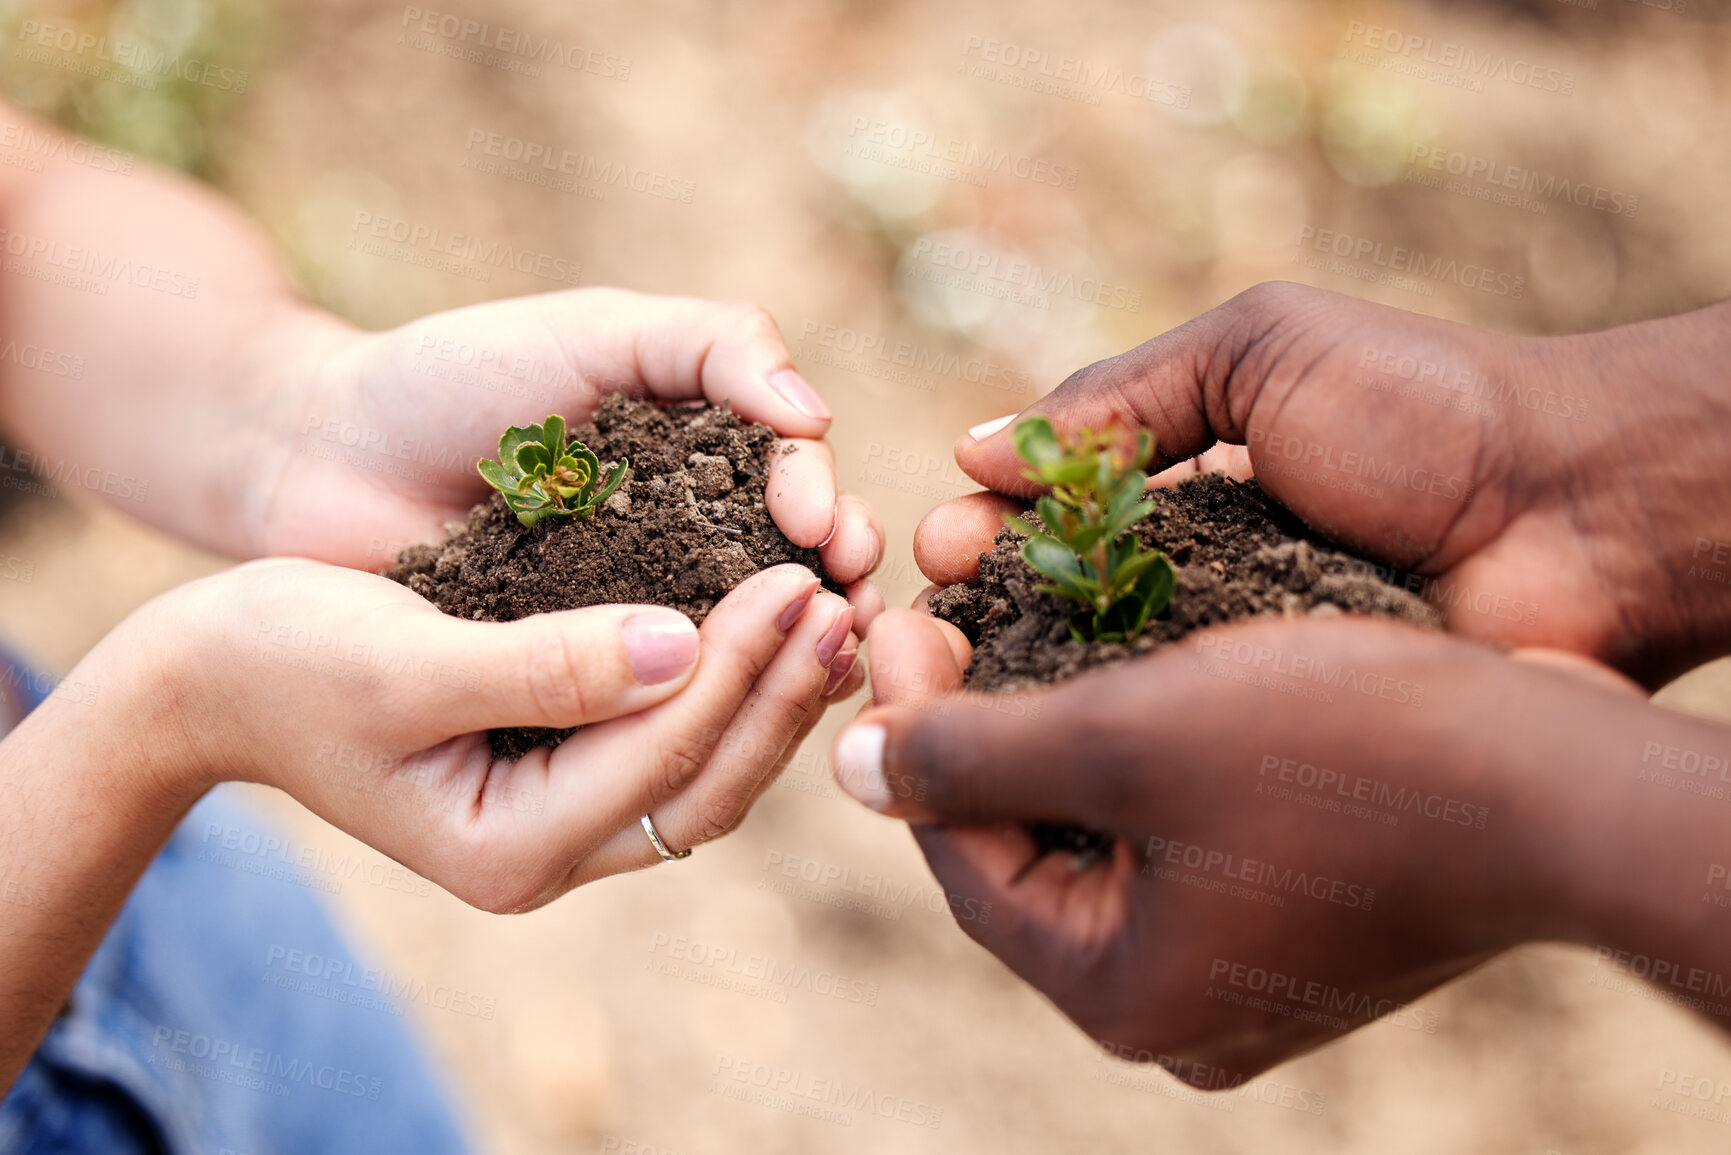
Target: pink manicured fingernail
<point>859,765</point>
<point>986,428</point>
<point>661,646</point>
<point>838,671</point>
<point>829,645</point>
<point>798,394</point>
<point>796,607</point>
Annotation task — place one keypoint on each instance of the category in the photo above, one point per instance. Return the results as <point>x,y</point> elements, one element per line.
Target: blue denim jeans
<point>176,1041</point>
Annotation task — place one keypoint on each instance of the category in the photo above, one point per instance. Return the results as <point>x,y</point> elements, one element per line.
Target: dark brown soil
<point>1237,554</point>
<point>688,525</point>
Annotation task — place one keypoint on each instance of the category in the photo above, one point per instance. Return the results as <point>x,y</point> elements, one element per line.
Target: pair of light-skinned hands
<point>249,675</point>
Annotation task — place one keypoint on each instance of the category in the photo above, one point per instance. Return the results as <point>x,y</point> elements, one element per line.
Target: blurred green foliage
<point>154,77</point>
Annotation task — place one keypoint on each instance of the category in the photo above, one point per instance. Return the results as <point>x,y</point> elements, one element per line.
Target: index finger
<point>1190,387</point>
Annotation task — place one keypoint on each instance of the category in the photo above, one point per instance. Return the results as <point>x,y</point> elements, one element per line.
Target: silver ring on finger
<point>660,846</point>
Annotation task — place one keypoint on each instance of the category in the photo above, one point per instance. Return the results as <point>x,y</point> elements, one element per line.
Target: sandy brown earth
<point>753,130</point>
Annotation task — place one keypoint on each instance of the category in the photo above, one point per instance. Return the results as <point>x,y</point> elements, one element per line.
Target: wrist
<point>134,707</point>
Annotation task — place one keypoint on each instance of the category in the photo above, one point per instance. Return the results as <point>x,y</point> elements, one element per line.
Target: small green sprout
<point>1089,550</point>
<point>543,475</point>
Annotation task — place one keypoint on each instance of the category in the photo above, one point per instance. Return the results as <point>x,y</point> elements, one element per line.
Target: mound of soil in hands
<point>688,525</point>
<point>1237,554</point>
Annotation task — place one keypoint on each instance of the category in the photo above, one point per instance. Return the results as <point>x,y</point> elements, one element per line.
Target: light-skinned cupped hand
<point>1291,864</point>
<point>364,702</point>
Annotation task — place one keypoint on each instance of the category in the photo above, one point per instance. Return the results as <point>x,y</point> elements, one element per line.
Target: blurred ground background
<point>1221,132</point>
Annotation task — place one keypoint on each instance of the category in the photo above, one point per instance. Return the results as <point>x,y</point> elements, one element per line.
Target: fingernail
<point>829,645</point>
<point>838,671</point>
<point>798,394</point>
<point>834,524</point>
<point>796,607</point>
<point>986,428</point>
<point>859,765</point>
<point>661,646</point>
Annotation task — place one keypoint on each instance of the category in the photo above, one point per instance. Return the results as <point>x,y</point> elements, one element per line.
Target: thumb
<point>1015,757</point>
<point>1190,387</point>
<point>552,670</point>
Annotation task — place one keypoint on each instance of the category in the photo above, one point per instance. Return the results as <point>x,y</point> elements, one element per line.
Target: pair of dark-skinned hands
<point>1561,500</point>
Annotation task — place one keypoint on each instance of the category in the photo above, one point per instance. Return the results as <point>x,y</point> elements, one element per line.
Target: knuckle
<point>722,812</point>
<point>679,763</point>
<point>554,681</point>
<point>753,320</point>
<point>1270,301</point>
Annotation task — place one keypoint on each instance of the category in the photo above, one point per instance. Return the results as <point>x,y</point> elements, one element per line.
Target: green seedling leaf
<point>514,437</point>
<point>1051,514</point>
<point>542,475</point>
<point>533,458</point>
<point>1089,551</point>
<point>494,474</point>
<point>1037,442</point>
<point>615,478</point>
<point>552,436</point>
<point>1052,557</point>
